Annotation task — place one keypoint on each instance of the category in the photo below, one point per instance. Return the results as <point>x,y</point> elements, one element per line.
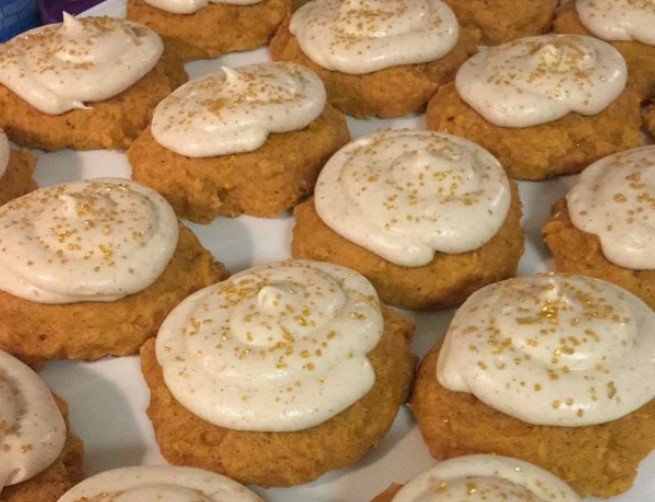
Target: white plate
<point>107,398</point>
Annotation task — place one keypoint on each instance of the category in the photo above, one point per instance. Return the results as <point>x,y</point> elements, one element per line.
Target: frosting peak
<point>362,36</point>
<point>275,348</point>
<point>235,109</point>
<point>96,240</point>
<point>534,80</point>
<point>552,350</point>
<point>60,67</point>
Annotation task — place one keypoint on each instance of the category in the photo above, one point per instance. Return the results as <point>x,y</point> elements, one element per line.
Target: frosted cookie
<point>627,25</point>
<point>554,370</point>
<point>277,375</point>
<point>161,482</point>
<point>200,29</point>
<point>376,57</point>
<point>501,21</point>
<point>91,268</point>
<point>16,166</point>
<point>247,140</point>
<point>40,458</point>
<point>544,106</point>
<point>604,227</point>
<point>85,83</point>
<point>427,217</point>
<point>481,478</point>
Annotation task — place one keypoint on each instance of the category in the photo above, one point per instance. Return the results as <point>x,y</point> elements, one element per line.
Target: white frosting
<point>60,67</point>
<point>235,109</point>
<point>619,19</point>
<point>158,483</point>
<point>191,6</point>
<point>614,199</point>
<point>485,478</point>
<point>275,348</point>
<point>535,80</point>
<point>32,430</point>
<point>96,240</point>
<point>552,350</point>
<point>361,36</point>
<point>405,194</point>
<point>4,153</point>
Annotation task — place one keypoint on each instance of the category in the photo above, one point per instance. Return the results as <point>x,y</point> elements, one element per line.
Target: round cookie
<point>16,166</point>
<point>283,454</point>
<point>445,275</point>
<point>392,91</point>
<point>500,21</point>
<point>648,116</point>
<point>611,238</point>
<point>478,478</point>
<point>80,113</point>
<point>559,143</point>
<point>215,28</point>
<point>542,324</point>
<point>40,423</point>
<point>639,56</point>
<point>88,325</point>
<point>257,180</point>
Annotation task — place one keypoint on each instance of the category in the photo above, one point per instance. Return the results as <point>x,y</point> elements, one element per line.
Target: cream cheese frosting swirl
<point>362,36</point>
<point>552,350</point>
<point>405,195</point>
<point>32,429</point>
<point>485,478</point>
<point>619,19</point>
<point>235,109</point>
<point>191,6</point>
<point>159,483</point>
<point>274,348</point>
<point>614,199</point>
<point>535,80</point>
<point>96,240</point>
<point>60,67</point>
<point>4,153</point>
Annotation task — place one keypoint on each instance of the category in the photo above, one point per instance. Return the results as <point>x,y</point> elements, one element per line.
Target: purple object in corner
<point>52,11</point>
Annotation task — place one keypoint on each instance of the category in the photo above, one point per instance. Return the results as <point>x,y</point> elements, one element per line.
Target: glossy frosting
<point>96,240</point>
<point>535,80</point>
<point>361,36</point>
<point>552,350</point>
<point>159,483</point>
<point>60,67</point>
<point>235,109</point>
<point>619,19</point>
<point>614,199</point>
<point>485,478</point>
<point>191,6</point>
<point>4,153</point>
<point>32,430</point>
<point>274,348</point>
<point>405,195</point>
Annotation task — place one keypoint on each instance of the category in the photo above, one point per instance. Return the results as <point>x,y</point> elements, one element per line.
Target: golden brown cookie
<point>111,124</point>
<point>446,281</point>
<point>598,460</point>
<point>577,252</point>
<point>500,21</point>
<point>264,182</point>
<point>388,494</point>
<point>90,330</point>
<point>65,472</point>
<point>640,57</point>
<point>563,146</point>
<point>391,92</point>
<point>214,29</point>
<point>17,179</point>
<point>286,458</point>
